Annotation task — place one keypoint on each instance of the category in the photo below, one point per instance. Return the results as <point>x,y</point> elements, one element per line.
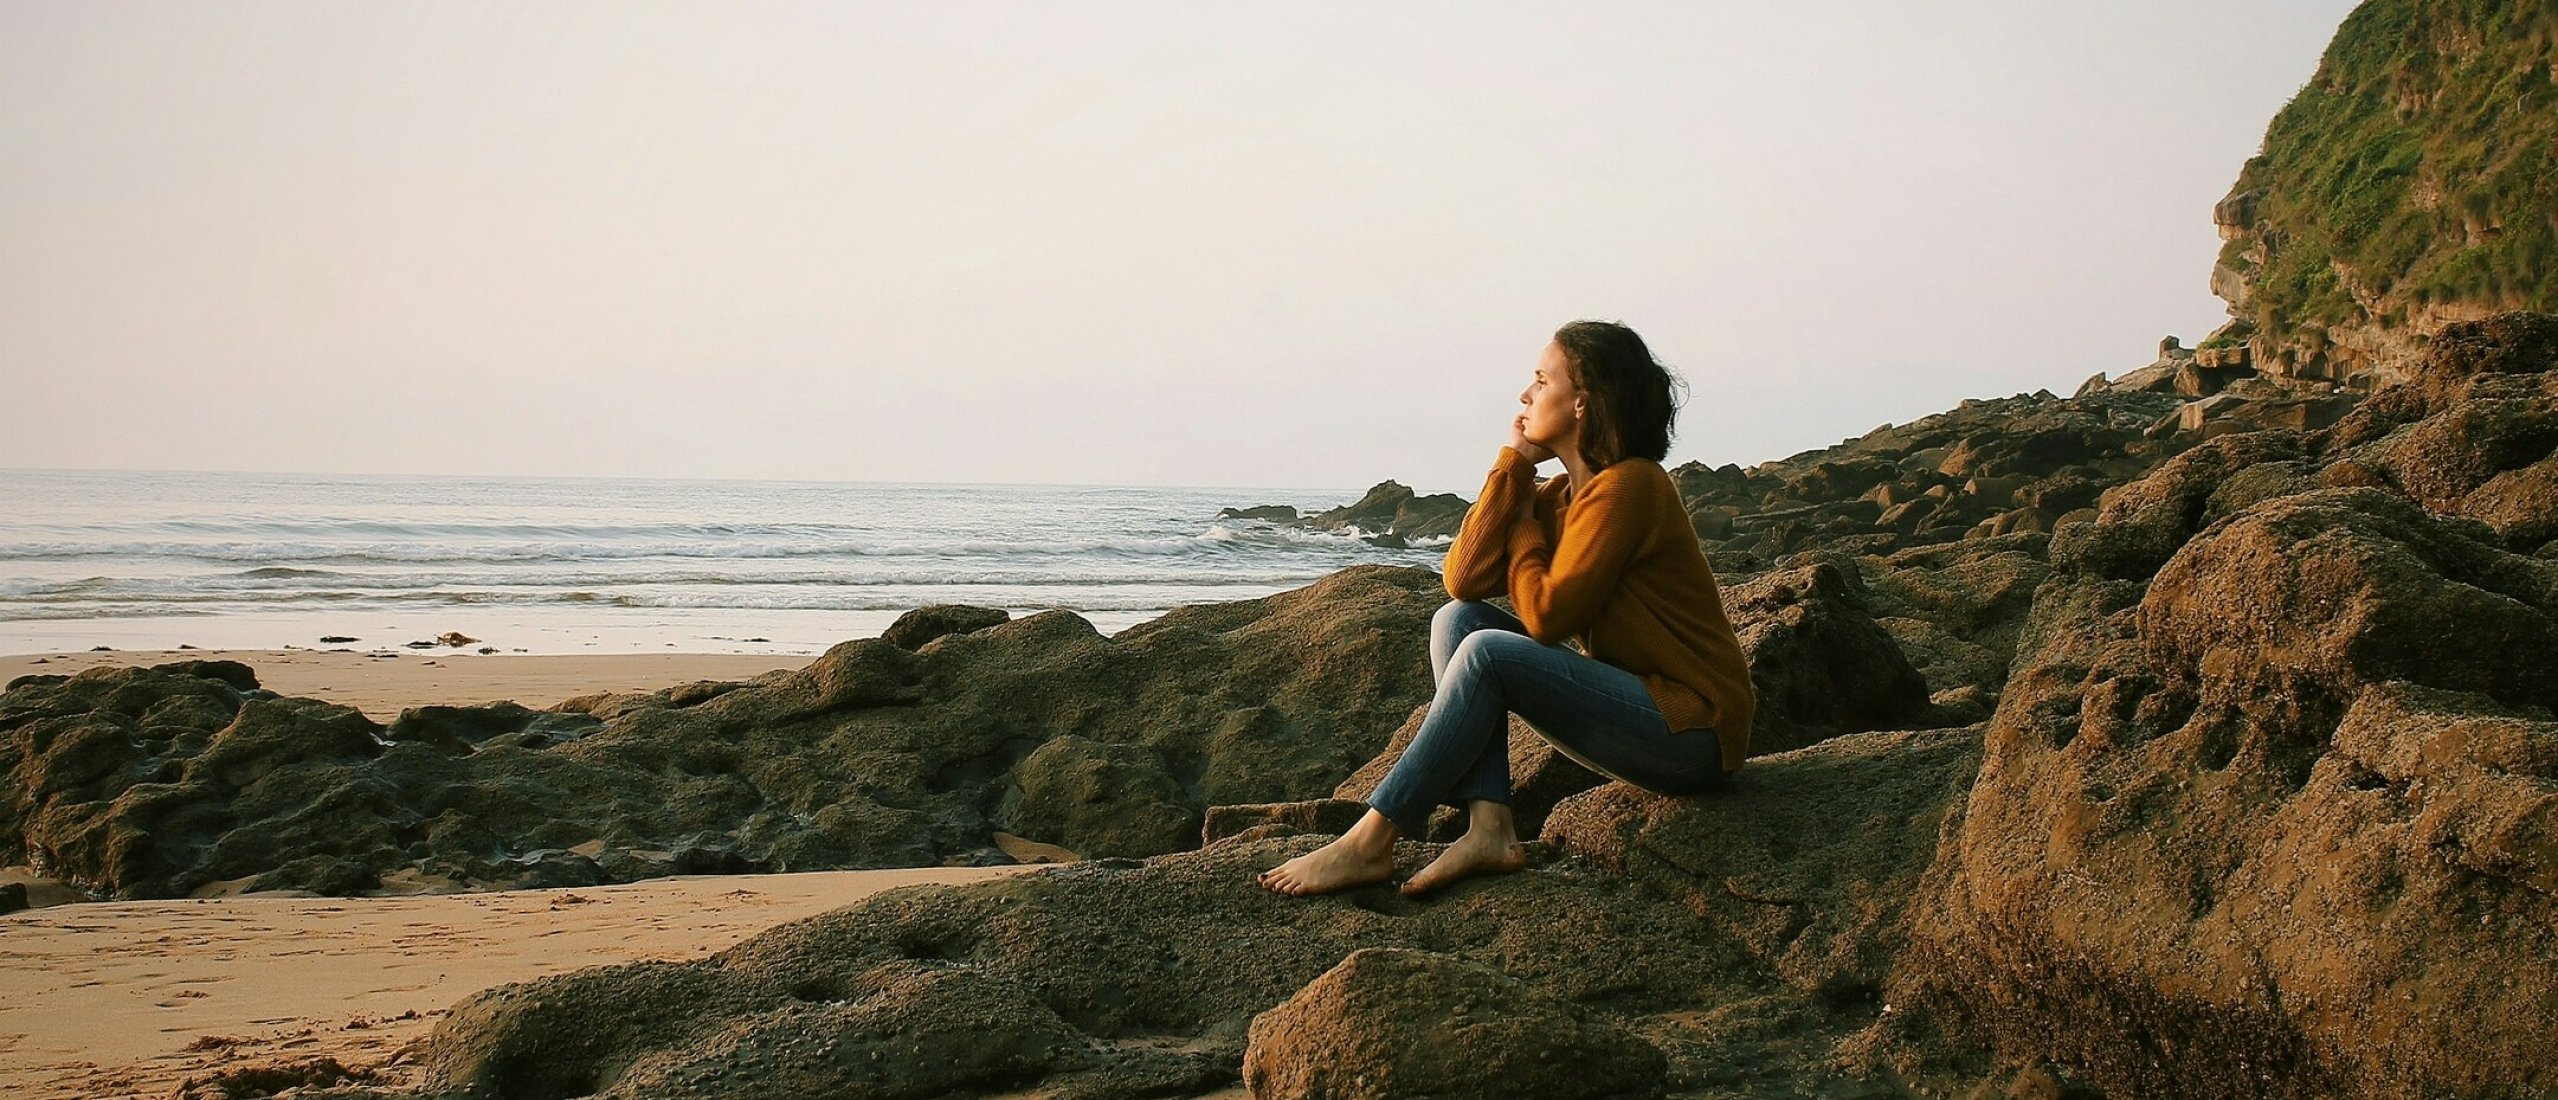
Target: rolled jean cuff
<point>1412,822</point>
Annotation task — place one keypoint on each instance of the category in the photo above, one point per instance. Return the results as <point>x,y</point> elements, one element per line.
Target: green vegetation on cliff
<point>2418,168</point>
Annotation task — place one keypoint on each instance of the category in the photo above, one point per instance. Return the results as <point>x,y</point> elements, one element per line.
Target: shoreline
<point>383,682</point>
<point>568,630</point>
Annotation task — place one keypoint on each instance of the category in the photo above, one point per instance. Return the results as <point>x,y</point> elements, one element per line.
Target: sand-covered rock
<point>1391,1022</point>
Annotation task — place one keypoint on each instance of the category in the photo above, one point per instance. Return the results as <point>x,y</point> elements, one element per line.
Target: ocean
<point>135,560</point>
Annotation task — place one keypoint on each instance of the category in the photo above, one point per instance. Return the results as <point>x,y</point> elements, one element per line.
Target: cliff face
<point>2413,183</point>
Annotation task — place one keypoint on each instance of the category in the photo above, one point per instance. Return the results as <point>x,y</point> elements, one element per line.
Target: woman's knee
<point>1458,618</point>
<point>1479,651</point>
<point>1448,627</point>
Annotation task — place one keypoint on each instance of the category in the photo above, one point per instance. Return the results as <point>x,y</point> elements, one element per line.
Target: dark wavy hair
<point>1632,400</point>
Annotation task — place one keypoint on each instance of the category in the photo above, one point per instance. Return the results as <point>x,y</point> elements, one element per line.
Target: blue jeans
<point>1594,712</point>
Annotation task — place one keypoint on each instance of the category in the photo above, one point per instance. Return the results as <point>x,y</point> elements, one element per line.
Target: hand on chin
<point>1527,449</point>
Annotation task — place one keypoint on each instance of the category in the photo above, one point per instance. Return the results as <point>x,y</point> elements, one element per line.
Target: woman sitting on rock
<point>1658,694</point>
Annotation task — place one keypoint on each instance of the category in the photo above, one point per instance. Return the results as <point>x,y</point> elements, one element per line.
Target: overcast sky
<point>1182,243</point>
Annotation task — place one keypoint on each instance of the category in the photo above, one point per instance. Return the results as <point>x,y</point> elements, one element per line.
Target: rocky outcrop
<point>2272,788</point>
<point>1389,508</point>
<point>1984,470</point>
<point>1389,514</point>
<point>2405,188</point>
<point>154,782</point>
<point>1732,942</point>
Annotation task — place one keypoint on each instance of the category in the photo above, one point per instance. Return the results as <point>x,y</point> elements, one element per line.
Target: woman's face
<point>1554,404</point>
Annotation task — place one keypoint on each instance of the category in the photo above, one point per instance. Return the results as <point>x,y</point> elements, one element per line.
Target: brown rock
<point>1819,662</point>
<point>1391,1023</point>
<point>1329,816</point>
<point>2197,378</point>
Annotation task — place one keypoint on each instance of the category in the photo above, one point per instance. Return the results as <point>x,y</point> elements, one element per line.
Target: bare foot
<point>1475,853</point>
<point>1339,865</point>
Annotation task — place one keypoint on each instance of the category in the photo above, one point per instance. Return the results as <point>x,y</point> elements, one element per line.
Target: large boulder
<point>1819,662</point>
<point>2271,792</point>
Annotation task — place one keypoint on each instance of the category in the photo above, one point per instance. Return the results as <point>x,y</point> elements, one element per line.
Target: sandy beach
<point>128,999</point>
<point>381,682</point>
<point>117,999</point>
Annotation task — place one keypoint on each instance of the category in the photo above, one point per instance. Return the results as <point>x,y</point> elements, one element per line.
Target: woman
<point>1658,696</point>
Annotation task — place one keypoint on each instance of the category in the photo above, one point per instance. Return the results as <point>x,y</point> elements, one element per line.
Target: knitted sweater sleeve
<point>1479,556</point>
<point>1558,588</point>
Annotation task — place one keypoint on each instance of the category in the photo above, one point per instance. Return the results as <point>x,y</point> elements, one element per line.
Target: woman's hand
<point>1519,441</point>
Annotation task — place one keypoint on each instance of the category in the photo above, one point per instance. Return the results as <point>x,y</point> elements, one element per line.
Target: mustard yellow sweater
<point>1615,565</point>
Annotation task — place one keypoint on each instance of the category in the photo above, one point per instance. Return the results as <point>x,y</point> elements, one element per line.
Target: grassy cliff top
<point>2418,168</point>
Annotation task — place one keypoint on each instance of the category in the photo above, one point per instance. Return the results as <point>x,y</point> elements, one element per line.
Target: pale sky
<point>1181,243</point>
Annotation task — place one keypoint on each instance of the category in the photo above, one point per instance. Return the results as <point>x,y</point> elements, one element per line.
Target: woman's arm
<point>1478,561</point>
<point>1558,590</point>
